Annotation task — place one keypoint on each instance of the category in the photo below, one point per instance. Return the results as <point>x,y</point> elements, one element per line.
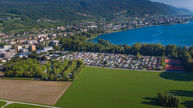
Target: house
<point>49,48</point>
<point>33,48</point>
<point>41,51</point>
<point>24,50</point>
<point>7,47</point>
<point>18,48</point>
<point>55,42</point>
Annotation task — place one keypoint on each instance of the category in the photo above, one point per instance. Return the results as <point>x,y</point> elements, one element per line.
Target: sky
<point>178,3</point>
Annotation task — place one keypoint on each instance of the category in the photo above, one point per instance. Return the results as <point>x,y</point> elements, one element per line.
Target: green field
<point>2,103</point>
<point>15,105</point>
<point>113,88</point>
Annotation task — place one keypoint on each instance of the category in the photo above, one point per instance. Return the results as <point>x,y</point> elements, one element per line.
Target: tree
<point>168,100</point>
<point>19,74</point>
<point>105,63</point>
<point>188,62</point>
<point>33,55</point>
<point>163,61</point>
<point>138,55</point>
<point>44,76</point>
<point>171,51</point>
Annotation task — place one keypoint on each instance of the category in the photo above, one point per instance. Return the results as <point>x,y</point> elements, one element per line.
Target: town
<point>47,40</point>
<point>96,53</point>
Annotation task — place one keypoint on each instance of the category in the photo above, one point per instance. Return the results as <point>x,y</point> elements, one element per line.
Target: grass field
<point>41,92</point>
<point>2,103</point>
<point>15,105</point>
<point>113,88</point>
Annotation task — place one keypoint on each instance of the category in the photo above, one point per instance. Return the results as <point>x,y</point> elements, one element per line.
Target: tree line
<point>80,43</point>
<point>56,70</point>
<point>168,100</point>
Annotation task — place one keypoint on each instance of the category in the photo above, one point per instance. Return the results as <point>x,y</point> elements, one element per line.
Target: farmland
<point>41,92</point>
<point>114,88</point>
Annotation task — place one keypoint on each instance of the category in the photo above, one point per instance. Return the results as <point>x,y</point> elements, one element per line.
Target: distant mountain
<point>181,11</point>
<point>80,9</point>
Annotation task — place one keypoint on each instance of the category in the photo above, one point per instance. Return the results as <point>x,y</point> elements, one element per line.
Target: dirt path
<point>68,84</point>
<point>11,102</point>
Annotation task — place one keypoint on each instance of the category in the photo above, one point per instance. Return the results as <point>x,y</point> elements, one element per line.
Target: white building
<point>49,48</point>
<point>7,47</point>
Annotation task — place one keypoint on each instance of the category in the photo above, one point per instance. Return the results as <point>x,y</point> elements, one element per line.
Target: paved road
<point>11,102</point>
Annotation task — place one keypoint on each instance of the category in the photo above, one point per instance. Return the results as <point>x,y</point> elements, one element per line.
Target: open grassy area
<point>113,88</point>
<point>15,105</point>
<point>2,103</point>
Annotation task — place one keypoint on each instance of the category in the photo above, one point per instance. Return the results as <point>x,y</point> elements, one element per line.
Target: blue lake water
<point>179,34</point>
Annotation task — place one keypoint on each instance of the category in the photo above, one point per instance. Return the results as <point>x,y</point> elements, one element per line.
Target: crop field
<point>41,92</point>
<point>114,88</point>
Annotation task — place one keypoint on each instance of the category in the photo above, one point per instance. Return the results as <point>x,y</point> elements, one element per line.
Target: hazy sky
<point>178,3</point>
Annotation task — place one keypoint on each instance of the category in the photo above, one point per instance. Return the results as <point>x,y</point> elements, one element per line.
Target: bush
<point>168,100</point>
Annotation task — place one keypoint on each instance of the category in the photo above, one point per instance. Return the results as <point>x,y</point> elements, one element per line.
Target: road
<point>11,102</point>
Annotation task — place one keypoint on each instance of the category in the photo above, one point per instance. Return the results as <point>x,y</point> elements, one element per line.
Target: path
<point>11,102</point>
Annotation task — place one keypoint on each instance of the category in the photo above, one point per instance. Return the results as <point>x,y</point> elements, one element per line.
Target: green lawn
<point>15,105</point>
<point>113,88</point>
<point>2,103</point>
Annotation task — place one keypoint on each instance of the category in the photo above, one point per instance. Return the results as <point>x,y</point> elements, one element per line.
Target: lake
<point>179,34</point>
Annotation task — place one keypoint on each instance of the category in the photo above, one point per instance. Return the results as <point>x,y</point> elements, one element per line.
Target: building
<point>7,47</point>
<point>49,48</point>
<point>24,50</point>
<point>55,42</point>
<point>18,48</point>
<point>33,48</point>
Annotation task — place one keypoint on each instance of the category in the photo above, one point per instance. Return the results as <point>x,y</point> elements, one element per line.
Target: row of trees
<point>168,100</point>
<point>80,43</point>
<point>52,70</point>
<point>60,71</point>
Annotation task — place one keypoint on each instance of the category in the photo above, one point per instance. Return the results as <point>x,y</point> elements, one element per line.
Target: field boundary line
<point>141,70</point>
<point>12,102</point>
<point>68,84</point>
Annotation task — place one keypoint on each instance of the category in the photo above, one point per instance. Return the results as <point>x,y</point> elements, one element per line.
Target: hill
<point>70,9</point>
<point>31,12</point>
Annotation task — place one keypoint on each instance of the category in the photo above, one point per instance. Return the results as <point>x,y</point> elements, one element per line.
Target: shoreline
<point>110,32</point>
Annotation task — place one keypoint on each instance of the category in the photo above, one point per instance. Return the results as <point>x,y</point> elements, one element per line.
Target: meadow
<point>15,105</point>
<point>114,88</point>
<point>2,103</point>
